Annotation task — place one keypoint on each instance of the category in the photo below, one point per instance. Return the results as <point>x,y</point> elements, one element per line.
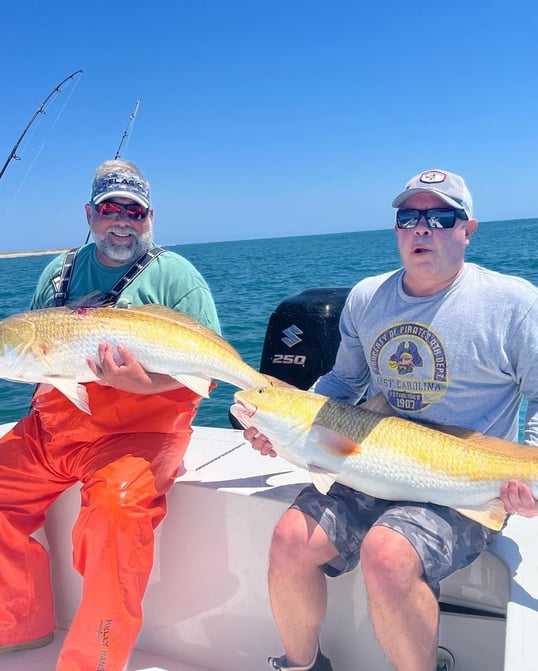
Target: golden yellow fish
<point>387,456</point>
<point>52,346</point>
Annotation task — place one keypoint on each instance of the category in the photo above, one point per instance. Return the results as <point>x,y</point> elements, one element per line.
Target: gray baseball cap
<point>449,187</point>
<point>120,179</point>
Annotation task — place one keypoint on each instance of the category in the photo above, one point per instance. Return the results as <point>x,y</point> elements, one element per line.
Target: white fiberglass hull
<point>206,606</point>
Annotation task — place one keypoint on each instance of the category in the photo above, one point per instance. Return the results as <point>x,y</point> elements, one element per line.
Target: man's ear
<point>88,208</point>
<point>470,228</point>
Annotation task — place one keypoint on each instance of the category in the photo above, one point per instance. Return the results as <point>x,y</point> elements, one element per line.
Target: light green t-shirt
<point>169,280</point>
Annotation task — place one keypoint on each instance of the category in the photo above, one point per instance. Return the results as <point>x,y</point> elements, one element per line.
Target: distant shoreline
<point>11,255</point>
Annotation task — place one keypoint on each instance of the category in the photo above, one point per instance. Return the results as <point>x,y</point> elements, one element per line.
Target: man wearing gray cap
<point>445,342</point>
<point>125,454</point>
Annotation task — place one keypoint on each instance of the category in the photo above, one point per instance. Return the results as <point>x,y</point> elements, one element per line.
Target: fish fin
<point>490,443</point>
<point>333,442</point>
<point>322,481</point>
<point>378,404</point>
<point>492,515</point>
<point>91,300</point>
<point>187,322</point>
<point>74,391</point>
<point>381,406</point>
<point>198,385</point>
<point>41,350</point>
<point>38,349</point>
<point>453,430</point>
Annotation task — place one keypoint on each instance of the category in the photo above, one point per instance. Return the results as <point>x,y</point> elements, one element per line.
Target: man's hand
<point>259,441</point>
<point>518,499</point>
<point>124,372</point>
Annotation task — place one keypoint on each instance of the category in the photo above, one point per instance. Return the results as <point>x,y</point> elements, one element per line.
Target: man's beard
<point>123,253</point>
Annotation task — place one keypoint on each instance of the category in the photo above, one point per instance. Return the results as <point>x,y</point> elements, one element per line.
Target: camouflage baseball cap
<point>120,179</point>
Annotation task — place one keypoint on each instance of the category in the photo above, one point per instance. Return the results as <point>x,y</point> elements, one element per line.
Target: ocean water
<point>250,278</point>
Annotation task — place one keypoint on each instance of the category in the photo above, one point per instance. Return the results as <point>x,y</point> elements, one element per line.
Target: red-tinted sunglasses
<point>112,210</point>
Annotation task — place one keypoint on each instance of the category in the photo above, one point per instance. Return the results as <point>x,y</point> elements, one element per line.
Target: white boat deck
<point>206,607</point>
<point>44,659</point>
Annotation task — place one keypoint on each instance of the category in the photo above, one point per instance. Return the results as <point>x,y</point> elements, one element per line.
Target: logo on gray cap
<point>122,185</point>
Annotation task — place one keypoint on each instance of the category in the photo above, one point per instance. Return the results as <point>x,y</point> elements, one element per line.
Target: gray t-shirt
<point>465,356</point>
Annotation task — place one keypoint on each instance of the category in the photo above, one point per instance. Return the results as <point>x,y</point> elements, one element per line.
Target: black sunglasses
<point>112,210</point>
<point>436,217</point>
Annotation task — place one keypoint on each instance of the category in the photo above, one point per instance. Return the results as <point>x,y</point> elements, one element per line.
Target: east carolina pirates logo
<point>406,358</point>
<point>408,361</point>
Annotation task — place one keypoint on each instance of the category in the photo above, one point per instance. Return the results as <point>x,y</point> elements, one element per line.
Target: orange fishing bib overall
<point>126,455</point>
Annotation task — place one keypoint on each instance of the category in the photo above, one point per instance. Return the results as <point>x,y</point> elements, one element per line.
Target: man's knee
<point>289,533</point>
<point>388,557</point>
<point>299,538</point>
<point>122,484</point>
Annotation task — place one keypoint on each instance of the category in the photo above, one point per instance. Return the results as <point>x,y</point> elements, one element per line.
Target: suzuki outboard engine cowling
<point>302,336</point>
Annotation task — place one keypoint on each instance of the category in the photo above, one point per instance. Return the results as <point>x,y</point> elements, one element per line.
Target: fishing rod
<point>130,122</point>
<point>127,129</point>
<point>40,110</point>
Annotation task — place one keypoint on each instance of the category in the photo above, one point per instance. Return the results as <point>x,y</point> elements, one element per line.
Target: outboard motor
<point>302,336</point>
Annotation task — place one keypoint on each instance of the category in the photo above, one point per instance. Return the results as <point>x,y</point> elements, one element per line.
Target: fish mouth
<point>243,411</point>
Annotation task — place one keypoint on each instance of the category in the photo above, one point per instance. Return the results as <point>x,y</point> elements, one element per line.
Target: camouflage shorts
<point>444,540</point>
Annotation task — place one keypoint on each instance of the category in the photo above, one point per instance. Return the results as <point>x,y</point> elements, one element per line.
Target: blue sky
<point>265,119</point>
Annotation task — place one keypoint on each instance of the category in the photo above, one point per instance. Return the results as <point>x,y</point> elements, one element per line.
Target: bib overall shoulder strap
<point>62,281</point>
<point>138,266</point>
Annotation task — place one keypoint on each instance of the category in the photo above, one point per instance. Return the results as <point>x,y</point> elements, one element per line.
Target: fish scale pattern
<point>44,345</point>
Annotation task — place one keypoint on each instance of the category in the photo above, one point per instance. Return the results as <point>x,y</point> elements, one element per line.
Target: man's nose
<point>422,227</point>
